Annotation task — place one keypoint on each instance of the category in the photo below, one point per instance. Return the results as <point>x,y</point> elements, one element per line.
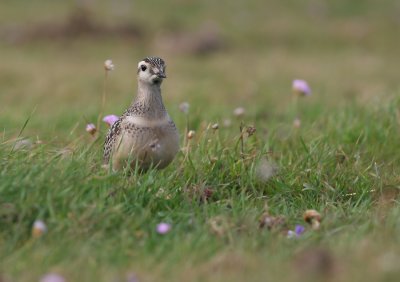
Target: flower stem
<point>296,105</point>
<point>103,100</point>
<point>185,140</point>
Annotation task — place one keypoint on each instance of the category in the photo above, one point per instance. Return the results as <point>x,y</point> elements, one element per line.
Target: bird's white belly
<point>148,146</point>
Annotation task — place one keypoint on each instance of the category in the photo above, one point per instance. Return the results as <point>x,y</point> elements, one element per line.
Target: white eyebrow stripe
<point>140,63</point>
<point>145,122</point>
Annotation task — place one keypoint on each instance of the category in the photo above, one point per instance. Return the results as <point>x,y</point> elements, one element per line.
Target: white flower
<point>191,134</point>
<point>215,126</point>
<point>108,65</point>
<point>184,107</point>
<point>291,234</point>
<point>265,170</point>
<point>227,122</point>
<point>239,112</point>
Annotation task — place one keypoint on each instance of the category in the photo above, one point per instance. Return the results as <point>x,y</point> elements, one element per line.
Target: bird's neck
<point>148,102</point>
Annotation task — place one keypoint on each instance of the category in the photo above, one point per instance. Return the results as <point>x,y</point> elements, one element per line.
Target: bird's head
<point>151,70</point>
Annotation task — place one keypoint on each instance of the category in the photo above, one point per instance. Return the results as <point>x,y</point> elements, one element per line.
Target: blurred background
<point>220,55</point>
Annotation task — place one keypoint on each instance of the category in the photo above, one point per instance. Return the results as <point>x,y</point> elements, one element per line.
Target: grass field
<point>343,160</point>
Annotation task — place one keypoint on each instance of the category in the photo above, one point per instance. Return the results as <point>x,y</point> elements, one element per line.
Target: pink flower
<point>301,87</point>
<point>227,122</point>
<point>297,123</point>
<point>110,119</point>
<point>52,277</point>
<point>163,228</point>
<point>184,107</point>
<point>91,128</point>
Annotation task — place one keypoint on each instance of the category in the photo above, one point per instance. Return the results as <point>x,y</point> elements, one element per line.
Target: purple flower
<point>299,229</point>
<point>301,87</point>
<point>163,228</point>
<point>110,119</point>
<point>52,277</point>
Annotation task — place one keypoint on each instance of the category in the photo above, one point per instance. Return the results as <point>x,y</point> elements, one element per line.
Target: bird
<point>144,135</point>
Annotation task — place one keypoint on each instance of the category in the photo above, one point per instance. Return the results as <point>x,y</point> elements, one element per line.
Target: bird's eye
<point>143,67</point>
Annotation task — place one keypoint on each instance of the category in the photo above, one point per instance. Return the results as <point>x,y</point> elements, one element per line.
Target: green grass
<point>343,160</point>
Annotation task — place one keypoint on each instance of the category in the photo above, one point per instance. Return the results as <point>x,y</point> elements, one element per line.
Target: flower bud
<point>108,65</point>
<point>191,134</point>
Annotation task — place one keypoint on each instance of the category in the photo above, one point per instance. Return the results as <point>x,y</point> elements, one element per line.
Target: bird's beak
<point>161,75</point>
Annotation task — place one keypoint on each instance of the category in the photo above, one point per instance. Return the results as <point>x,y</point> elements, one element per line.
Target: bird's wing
<point>112,134</point>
